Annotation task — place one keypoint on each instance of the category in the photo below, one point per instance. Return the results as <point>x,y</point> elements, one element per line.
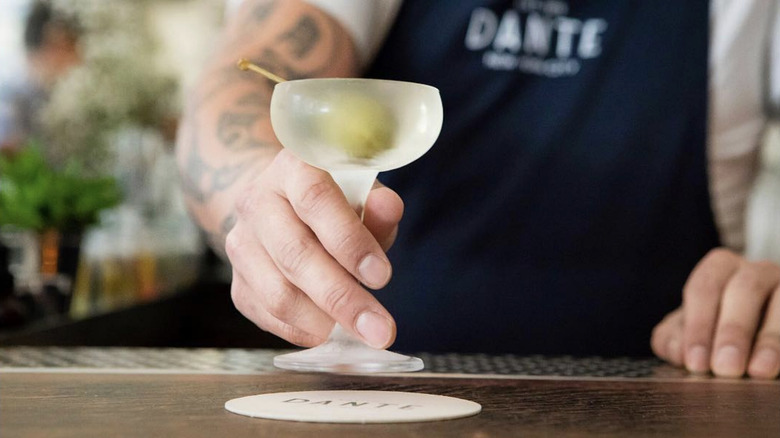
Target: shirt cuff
<point>367,21</point>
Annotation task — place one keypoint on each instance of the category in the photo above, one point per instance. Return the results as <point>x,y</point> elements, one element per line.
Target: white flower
<point>117,84</point>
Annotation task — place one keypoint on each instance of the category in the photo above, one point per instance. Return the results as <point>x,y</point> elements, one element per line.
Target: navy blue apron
<point>566,200</point>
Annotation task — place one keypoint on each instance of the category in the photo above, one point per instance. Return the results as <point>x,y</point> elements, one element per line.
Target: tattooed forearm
<point>226,134</point>
<point>238,125</point>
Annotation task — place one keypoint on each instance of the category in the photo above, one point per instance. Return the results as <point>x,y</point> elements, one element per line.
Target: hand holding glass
<point>354,128</point>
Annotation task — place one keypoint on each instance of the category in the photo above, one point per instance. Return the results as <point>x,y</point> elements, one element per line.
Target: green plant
<point>34,195</point>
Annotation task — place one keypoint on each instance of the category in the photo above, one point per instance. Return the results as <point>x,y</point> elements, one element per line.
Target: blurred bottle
<point>129,260</point>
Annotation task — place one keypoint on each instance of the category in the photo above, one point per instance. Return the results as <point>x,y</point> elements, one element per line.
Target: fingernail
<point>728,362</point>
<point>765,363</point>
<point>374,271</point>
<point>698,359</point>
<point>374,328</point>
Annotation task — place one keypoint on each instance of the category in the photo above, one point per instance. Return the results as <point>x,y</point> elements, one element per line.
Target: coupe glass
<point>354,129</point>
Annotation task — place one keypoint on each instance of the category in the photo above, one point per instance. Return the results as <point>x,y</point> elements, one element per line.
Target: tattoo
<point>263,11</point>
<point>274,62</point>
<point>225,176</point>
<point>303,37</point>
<point>272,59</point>
<point>200,180</point>
<point>234,127</point>
<point>252,100</point>
<point>225,78</point>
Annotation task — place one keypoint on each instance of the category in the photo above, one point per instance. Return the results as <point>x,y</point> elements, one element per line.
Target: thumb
<point>382,213</point>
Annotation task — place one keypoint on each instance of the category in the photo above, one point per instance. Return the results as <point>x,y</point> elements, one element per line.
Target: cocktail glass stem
<point>356,185</point>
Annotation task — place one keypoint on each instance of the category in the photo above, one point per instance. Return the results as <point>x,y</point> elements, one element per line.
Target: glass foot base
<point>343,354</point>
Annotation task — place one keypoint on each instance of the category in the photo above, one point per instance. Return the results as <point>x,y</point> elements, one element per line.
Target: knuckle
<point>294,254</point>
<point>720,256</point>
<point>749,277</point>
<point>315,197</point>
<point>701,286</point>
<point>350,242</point>
<point>281,302</point>
<point>337,298</point>
<point>247,203</point>
<point>734,332</point>
<point>698,329</point>
<point>285,158</point>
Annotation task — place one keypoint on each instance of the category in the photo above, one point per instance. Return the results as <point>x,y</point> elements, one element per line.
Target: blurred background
<point>96,247</point>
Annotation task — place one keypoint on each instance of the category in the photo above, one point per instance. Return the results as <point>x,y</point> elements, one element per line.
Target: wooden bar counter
<point>102,392</point>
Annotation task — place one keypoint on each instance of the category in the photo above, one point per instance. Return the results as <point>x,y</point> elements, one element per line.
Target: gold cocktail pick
<point>245,64</point>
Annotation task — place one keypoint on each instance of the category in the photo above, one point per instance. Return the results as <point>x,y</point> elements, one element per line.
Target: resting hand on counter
<point>729,322</point>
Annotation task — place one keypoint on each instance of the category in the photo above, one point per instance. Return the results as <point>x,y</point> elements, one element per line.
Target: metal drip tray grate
<point>565,366</point>
<point>260,361</point>
<point>178,359</point>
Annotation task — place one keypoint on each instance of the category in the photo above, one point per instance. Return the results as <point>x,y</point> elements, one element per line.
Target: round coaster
<point>353,407</point>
